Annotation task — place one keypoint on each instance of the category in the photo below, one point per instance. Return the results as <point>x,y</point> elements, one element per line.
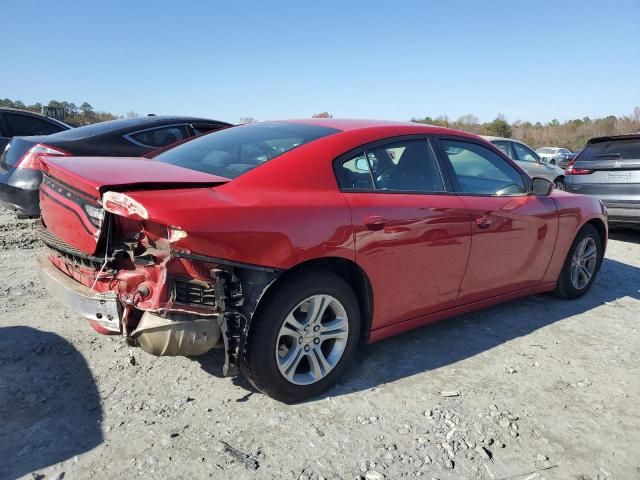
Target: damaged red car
<point>289,243</point>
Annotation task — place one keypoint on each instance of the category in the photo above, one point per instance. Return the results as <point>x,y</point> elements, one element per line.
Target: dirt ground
<point>537,388</point>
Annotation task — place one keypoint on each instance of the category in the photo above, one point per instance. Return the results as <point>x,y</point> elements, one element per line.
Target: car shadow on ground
<point>467,335</point>
<point>49,404</point>
<point>452,340</point>
<point>625,235</point>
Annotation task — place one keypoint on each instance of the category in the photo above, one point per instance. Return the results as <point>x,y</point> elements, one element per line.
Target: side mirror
<point>541,186</point>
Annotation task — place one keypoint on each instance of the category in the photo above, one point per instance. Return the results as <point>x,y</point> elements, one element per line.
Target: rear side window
<point>480,171</point>
<point>159,137</point>
<point>503,146</point>
<point>405,166</point>
<point>233,151</point>
<point>26,125</point>
<point>612,150</point>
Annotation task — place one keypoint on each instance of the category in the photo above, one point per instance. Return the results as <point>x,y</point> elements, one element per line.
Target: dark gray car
<point>609,168</point>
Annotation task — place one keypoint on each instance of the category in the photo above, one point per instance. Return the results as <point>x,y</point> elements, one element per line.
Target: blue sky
<point>534,60</point>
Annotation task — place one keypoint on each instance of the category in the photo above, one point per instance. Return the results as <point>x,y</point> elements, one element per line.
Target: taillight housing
<point>123,205</point>
<point>571,170</point>
<point>31,159</point>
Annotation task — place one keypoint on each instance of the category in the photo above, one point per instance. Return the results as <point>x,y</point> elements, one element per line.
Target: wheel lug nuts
<point>316,328</point>
<point>316,341</point>
<point>306,348</point>
<point>306,327</point>
<point>300,340</point>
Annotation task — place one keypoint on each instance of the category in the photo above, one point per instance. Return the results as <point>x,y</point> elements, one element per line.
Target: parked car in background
<point>289,243</point>
<point>20,174</point>
<point>529,160</point>
<point>15,122</point>
<point>609,168</point>
<point>555,155</point>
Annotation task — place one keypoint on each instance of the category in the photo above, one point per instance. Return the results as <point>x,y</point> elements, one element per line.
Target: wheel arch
<point>601,228</point>
<point>350,271</point>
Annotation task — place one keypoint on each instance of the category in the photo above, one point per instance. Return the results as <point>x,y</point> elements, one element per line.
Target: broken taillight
<point>31,159</point>
<point>123,205</point>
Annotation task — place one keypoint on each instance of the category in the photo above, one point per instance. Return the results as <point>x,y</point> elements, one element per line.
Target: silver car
<point>529,160</point>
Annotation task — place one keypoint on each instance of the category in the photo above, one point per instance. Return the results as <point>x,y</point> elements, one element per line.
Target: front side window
<point>159,137</point>
<point>25,125</point>
<point>524,154</point>
<point>233,151</point>
<point>404,166</point>
<point>480,171</point>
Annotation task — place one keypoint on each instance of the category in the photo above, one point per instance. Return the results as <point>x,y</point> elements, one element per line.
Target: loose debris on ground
<point>534,389</point>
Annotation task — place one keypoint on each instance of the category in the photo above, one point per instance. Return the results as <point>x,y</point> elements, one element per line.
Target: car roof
<point>353,124</point>
<point>124,125</point>
<point>504,139</point>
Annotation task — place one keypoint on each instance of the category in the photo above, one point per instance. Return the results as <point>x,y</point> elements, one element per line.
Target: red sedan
<point>288,243</point>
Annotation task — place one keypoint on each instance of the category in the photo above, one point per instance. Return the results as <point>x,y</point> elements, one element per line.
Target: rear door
<point>412,234</point>
<point>513,232</point>
<point>609,170</point>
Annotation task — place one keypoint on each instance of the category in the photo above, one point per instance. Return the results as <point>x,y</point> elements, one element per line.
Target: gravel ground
<point>537,388</point>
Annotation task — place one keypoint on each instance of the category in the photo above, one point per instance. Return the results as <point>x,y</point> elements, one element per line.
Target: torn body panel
<point>169,302</point>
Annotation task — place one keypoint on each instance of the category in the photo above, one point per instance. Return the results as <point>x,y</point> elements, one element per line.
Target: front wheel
<point>552,161</point>
<point>303,337</point>
<point>581,265</point>
<point>558,184</point>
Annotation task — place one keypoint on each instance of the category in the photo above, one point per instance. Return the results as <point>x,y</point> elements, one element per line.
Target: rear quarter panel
<point>574,211</point>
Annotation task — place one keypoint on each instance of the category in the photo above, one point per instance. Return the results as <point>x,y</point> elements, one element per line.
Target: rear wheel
<point>581,265</point>
<point>303,337</point>
<point>552,161</point>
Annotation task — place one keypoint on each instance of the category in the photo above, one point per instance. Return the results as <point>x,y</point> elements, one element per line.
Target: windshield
<point>612,150</point>
<point>230,153</point>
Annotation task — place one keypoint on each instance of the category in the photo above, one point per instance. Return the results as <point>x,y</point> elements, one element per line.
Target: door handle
<point>483,222</point>
<point>375,222</point>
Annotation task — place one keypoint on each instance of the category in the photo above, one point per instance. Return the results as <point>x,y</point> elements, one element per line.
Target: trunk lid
<point>72,188</point>
<point>15,150</point>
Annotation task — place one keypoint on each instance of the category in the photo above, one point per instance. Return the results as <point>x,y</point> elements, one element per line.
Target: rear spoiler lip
<point>613,138</point>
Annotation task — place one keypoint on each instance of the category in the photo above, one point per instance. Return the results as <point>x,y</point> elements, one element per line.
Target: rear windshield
<point>230,153</point>
<point>612,150</point>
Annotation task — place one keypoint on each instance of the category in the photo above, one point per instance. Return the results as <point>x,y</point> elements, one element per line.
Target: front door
<point>514,232</point>
<point>412,236</point>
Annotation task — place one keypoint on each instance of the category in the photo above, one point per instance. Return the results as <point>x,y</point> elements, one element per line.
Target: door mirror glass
<point>541,186</point>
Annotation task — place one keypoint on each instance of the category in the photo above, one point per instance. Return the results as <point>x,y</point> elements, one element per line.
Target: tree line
<point>571,134</point>
<point>66,111</point>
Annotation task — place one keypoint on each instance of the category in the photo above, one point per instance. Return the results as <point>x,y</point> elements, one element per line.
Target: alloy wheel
<point>312,339</point>
<point>583,263</point>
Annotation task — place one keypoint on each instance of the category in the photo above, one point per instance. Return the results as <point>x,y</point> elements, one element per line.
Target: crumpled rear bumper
<point>102,308</point>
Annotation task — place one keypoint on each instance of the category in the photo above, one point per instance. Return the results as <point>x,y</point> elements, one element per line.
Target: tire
<point>567,287</point>
<point>558,184</point>
<point>552,161</point>
<point>269,349</point>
